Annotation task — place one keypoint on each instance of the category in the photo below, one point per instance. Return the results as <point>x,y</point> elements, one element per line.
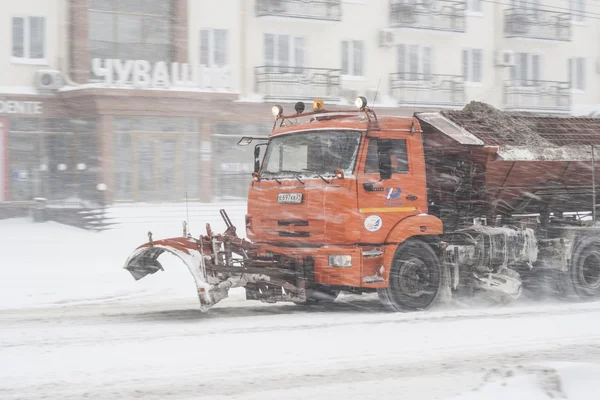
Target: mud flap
<point>144,261</point>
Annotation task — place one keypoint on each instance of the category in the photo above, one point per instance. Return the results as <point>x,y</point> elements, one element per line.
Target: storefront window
<point>130,29</point>
<point>233,166</point>
<point>25,154</point>
<point>190,166</point>
<point>53,158</point>
<point>123,167</point>
<point>156,159</point>
<point>145,171</point>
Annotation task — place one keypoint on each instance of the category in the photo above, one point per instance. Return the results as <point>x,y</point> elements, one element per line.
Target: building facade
<point>149,97</point>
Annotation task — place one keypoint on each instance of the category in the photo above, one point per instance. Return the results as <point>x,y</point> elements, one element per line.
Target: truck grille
<point>295,222</point>
<point>294,234</point>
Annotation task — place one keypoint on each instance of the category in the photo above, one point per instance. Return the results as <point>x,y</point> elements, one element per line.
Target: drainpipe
<point>64,40</point>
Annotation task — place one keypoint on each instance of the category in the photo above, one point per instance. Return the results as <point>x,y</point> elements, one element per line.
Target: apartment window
<point>472,60</point>
<point>533,6</point>
<point>352,57</point>
<point>527,69</point>
<point>475,6</point>
<point>213,47</point>
<point>283,51</point>
<point>130,30</point>
<point>28,39</point>
<point>577,10</point>
<point>576,68</point>
<point>414,62</point>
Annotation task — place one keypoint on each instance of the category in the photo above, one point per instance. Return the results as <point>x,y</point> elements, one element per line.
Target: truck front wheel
<point>585,273</point>
<point>415,278</point>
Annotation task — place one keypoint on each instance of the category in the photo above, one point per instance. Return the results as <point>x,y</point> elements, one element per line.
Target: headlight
<point>277,111</point>
<point>361,102</point>
<point>340,260</point>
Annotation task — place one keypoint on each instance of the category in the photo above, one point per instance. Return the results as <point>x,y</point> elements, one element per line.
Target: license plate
<point>289,198</point>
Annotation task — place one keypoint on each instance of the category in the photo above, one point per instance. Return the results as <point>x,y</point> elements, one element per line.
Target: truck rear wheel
<point>585,272</point>
<point>415,278</point>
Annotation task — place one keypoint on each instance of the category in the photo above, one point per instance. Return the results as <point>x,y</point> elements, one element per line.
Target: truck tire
<point>585,271</point>
<point>415,279</point>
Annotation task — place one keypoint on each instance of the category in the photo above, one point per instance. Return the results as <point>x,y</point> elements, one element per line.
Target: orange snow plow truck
<point>418,209</point>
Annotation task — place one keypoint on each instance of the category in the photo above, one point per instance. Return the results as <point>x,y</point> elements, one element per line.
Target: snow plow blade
<point>224,261</point>
<point>144,261</point>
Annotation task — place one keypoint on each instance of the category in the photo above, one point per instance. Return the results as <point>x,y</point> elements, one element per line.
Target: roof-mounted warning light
<point>319,108</point>
<point>318,105</point>
<point>361,102</point>
<point>277,111</point>
<point>299,107</point>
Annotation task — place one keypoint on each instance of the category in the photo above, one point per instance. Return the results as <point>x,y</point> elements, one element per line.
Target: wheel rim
<point>590,270</point>
<point>414,278</point>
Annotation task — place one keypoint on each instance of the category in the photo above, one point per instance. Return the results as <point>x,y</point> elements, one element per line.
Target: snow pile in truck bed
<point>570,381</point>
<point>496,127</point>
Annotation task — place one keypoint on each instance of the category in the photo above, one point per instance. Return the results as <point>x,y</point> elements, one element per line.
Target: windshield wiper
<point>319,175</point>
<point>325,180</point>
<point>294,174</point>
<point>272,177</point>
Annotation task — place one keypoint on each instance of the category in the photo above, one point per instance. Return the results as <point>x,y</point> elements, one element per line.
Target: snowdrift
<point>571,381</point>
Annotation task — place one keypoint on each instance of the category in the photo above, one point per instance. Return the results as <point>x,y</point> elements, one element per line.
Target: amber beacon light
<point>318,105</point>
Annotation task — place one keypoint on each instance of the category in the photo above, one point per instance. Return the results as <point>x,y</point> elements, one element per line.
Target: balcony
<point>427,89</point>
<point>440,15</point>
<point>549,96</point>
<point>537,24</point>
<point>297,83</point>
<point>325,10</point>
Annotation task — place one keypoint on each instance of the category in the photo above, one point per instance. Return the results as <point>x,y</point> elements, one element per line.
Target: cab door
<point>383,203</point>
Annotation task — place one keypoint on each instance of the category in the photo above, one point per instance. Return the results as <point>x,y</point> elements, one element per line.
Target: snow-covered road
<point>169,350</point>
<point>74,325</point>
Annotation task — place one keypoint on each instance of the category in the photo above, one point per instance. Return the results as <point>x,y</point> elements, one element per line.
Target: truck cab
<point>344,187</point>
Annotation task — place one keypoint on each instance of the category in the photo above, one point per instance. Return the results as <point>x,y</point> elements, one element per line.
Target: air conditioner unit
<point>505,58</point>
<point>48,79</point>
<point>386,38</point>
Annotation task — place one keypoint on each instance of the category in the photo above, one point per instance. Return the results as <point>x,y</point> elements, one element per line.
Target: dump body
<point>510,175</point>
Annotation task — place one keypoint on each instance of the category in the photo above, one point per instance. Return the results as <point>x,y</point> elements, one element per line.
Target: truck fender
<point>416,225</point>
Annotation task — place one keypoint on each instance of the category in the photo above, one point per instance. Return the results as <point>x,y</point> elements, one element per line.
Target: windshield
<point>311,153</point>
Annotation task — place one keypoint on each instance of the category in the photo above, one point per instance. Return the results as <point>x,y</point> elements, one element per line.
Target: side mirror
<point>384,156</point>
<point>245,141</point>
<point>256,158</point>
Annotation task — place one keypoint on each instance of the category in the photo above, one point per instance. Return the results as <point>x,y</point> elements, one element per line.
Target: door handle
<point>411,197</point>
<point>370,188</point>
